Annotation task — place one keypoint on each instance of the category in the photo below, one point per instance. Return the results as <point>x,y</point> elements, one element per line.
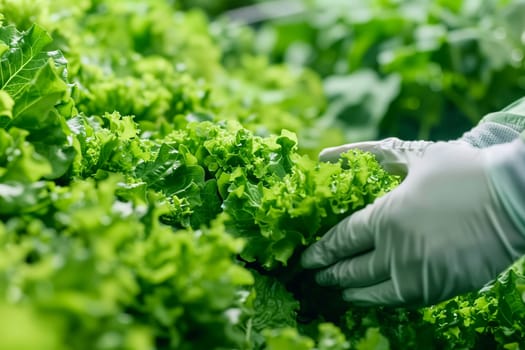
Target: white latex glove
<point>443,231</point>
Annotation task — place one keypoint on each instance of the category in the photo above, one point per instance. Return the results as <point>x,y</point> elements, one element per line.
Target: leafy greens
<point>138,210</point>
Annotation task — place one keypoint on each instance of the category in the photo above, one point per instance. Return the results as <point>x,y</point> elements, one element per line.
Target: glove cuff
<point>507,176</point>
<point>490,133</point>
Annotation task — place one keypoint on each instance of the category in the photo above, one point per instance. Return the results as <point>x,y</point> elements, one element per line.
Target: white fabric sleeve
<point>499,127</point>
<point>490,133</point>
<point>507,174</point>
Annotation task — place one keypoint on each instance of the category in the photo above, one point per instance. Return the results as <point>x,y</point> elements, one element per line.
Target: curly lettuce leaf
<point>494,315</point>
<point>278,200</point>
<point>93,264</point>
<point>329,338</point>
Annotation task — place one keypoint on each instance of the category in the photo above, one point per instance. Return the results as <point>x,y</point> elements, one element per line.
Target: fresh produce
<point>146,203</point>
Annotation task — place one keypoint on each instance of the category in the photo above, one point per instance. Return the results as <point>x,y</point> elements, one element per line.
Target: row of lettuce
<point>152,197</point>
<point>417,69</point>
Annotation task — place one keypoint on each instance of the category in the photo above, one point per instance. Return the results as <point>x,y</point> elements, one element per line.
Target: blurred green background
<point>415,69</point>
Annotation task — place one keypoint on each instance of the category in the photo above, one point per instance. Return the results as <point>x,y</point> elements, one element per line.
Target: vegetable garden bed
<point>157,188</point>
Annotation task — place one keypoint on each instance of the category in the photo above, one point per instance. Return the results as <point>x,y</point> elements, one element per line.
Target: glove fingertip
<point>349,295</point>
<point>319,278</point>
<point>308,259</point>
<point>314,257</point>
<point>329,155</point>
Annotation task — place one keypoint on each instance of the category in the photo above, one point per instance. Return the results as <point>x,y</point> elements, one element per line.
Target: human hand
<point>443,231</point>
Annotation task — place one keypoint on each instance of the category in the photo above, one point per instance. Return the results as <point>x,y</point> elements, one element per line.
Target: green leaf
<point>287,338</point>
<point>26,54</point>
<point>359,101</point>
<point>274,306</point>
<point>22,162</point>
<point>331,338</point>
<point>16,198</point>
<point>24,328</point>
<point>6,108</point>
<point>32,76</point>
<point>373,340</point>
<point>32,87</point>
<point>38,97</point>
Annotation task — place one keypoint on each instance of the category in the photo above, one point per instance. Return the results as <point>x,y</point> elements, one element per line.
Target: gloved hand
<point>443,231</point>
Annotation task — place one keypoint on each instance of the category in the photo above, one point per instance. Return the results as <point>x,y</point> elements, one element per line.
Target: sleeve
<point>498,127</point>
<point>508,180</point>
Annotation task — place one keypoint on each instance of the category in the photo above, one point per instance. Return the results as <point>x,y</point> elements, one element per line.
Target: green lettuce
<point>35,96</point>
<point>148,205</point>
